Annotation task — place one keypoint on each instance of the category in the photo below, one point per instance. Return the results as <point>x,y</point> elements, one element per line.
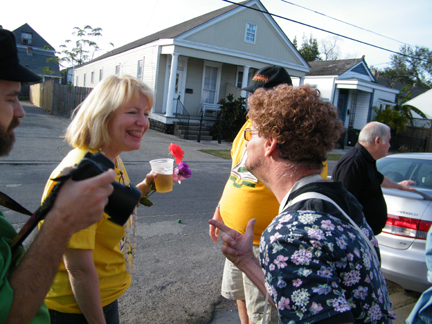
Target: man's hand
<point>213,230</point>
<point>405,185</point>
<point>237,247</point>
<point>79,204</point>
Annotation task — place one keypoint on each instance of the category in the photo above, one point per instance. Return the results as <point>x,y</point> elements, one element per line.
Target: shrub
<point>231,117</point>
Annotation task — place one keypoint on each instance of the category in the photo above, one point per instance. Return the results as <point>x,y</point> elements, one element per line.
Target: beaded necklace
<point>128,242</point>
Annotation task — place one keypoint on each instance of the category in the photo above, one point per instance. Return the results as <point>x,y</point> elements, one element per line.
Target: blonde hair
<point>89,126</point>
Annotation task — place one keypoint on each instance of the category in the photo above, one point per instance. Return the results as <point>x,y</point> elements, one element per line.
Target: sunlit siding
<point>230,33</point>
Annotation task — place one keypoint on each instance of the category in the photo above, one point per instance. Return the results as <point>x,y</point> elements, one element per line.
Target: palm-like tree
<point>407,110</point>
<point>395,119</point>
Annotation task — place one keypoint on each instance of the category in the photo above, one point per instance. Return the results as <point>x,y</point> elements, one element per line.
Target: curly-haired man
<point>317,263</point>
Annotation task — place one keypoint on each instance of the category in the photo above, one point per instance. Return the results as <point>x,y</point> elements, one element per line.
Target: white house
<point>191,66</point>
<point>422,102</point>
<point>350,86</point>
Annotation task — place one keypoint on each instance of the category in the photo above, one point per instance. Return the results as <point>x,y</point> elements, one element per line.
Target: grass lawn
<point>226,154</point>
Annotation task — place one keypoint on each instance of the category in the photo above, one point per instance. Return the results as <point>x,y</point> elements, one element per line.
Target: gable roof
<point>38,40</point>
<point>170,32</point>
<point>336,67</point>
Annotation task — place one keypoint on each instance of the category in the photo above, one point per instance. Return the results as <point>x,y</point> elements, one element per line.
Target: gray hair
<point>373,130</point>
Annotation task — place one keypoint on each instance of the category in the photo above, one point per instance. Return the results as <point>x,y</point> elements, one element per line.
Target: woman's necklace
<point>128,242</point>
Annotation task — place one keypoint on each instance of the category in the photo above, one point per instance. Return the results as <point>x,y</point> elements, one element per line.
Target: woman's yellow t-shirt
<point>105,239</point>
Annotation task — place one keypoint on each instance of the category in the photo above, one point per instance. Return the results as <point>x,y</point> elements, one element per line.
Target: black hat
<point>269,77</point>
<point>10,69</point>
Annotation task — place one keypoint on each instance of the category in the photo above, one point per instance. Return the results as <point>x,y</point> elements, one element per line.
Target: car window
<point>397,170</point>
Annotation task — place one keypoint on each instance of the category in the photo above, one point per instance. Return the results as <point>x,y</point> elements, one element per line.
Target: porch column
<point>246,68</point>
<point>302,80</point>
<point>171,85</point>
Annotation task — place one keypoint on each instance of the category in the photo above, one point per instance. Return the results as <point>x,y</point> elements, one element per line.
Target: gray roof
<point>399,86</point>
<point>170,32</point>
<point>336,67</point>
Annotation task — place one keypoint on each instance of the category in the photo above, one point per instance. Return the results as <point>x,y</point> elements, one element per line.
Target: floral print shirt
<point>317,266</point>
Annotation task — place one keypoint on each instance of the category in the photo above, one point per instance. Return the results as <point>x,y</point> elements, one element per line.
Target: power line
<point>344,22</point>
<point>327,31</point>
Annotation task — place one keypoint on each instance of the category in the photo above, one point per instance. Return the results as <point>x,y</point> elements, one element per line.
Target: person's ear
<point>270,146</point>
<point>377,140</point>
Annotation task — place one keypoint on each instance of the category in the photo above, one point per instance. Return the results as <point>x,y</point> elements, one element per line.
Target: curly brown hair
<point>304,125</point>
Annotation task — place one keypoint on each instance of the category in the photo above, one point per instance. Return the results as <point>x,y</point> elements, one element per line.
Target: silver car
<point>402,242</point>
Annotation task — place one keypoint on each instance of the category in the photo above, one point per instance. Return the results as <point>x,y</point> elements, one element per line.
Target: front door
<point>178,107</point>
<point>342,104</point>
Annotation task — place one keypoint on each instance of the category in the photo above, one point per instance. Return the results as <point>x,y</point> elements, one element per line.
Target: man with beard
<point>25,278</point>
<point>317,264</point>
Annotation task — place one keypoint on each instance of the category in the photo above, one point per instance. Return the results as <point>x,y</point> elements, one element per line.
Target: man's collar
<point>365,152</point>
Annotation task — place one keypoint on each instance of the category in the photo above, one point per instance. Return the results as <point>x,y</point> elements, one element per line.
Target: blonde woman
<point>98,260</point>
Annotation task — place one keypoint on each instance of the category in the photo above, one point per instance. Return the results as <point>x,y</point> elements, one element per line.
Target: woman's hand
<point>144,186</point>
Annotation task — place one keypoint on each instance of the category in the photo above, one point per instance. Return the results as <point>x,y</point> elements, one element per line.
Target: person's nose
<point>18,110</point>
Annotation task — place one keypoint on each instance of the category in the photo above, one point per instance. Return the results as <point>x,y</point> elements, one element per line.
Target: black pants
<point>110,312</point>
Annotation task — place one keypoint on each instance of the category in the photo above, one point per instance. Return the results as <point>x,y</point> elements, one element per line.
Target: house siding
<point>324,84</point>
<point>128,66</point>
<point>268,43</point>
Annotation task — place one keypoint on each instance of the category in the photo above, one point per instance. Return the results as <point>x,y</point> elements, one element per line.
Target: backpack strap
<point>316,195</point>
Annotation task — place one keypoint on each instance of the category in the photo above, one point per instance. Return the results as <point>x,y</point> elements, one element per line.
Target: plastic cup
<point>164,170</point>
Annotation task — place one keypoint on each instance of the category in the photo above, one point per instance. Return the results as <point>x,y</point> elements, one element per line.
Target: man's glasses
<point>248,133</point>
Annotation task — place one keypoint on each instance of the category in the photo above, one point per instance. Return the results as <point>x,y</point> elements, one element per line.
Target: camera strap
<point>35,217</point>
<point>9,203</point>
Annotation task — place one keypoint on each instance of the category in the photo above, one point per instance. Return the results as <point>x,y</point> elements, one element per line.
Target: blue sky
<point>125,21</point>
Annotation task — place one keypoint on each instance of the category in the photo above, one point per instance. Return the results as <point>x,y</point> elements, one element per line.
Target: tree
<point>329,48</point>
<point>413,67</point>
<point>407,110</point>
<point>83,49</point>
<point>391,117</point>
<point>309,48</point>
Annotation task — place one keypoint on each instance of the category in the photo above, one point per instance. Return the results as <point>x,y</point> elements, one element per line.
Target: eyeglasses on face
<point>248,133</point>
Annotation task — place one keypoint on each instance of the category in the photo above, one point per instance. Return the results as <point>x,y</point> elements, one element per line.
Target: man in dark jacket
<point>359,175</point>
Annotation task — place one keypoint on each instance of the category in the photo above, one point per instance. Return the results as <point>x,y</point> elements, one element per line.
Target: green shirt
<point>8,262</point>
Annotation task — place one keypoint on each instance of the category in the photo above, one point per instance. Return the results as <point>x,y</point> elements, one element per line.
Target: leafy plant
<point>395,119</point>
<point>230,118</point>
<point>407,110</point>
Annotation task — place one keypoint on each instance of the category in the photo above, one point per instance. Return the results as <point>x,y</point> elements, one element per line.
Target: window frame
<point>248,32</point>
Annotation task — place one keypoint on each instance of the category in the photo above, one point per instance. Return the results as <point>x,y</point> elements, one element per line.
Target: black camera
<point>122,201</point>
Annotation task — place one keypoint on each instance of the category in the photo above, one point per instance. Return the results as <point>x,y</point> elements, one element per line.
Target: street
<point>178,268</point>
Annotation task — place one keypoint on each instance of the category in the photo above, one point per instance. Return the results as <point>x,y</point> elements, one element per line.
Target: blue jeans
<point>110,312</point>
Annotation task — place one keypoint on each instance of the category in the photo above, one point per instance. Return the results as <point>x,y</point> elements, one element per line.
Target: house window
<point>140,69</point>
<point>92,77</point>
<point>117,69</point>
<point>250,33</point>
<point>26,38</point>
<point>29,50</point>
<point>76,83</point>
<point>100,74</point>
<point>211,81</point>
<point>84,80</point>
<point>239,79</point>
